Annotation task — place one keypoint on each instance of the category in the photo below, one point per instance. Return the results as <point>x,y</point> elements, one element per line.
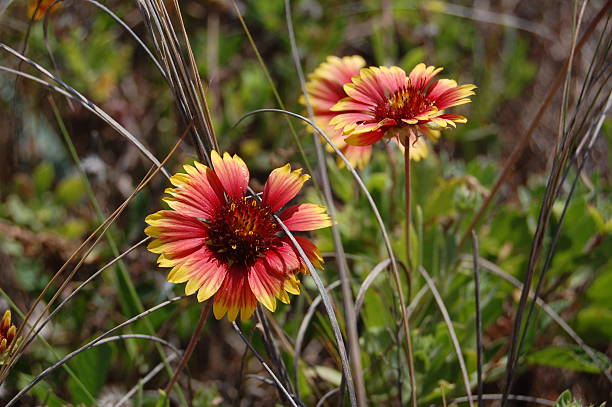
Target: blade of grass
<point>328,306</point>
<point>326,396</point>
<point>40,326</point>
<point>106,224</point>
<point>299,339</point>
<point>451,331</point>
<point>182,73</point>
<point>367,282</point>
<point>149,376</point>
<point>279,385</point>
<point>479,348</point>
<point>279,100</point>
<point>272,348</point>
<point>50,348</point>
<point>88,105</point>
<point>497,271</point>
<point>195,338</point>
<point>557,232</point>
<point>345,278</point>
<point>90,344</point>
<point>553,188</point>
<point>522,144</point>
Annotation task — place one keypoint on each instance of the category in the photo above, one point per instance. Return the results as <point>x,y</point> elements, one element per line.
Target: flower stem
<point>408,206</point>
<point>409,268</point>
<point>195,338</point>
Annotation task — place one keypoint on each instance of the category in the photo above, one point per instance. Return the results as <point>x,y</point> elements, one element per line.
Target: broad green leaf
<point>569,357</point>
<point>92,368</point>
<point>43,176</point>
<point>42,391</point>
<point>70,190</point>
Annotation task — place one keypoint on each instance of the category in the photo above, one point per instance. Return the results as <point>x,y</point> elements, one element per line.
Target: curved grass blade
<point>451,331</point>
<point>343,269</point>
<point>90,344</point>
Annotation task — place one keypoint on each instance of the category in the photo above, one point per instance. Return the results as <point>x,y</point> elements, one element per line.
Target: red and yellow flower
<point>7,333</point>
<point>325,88</point>
<point>37,11</point>
<point>385,102</point>
<point>225,243</point>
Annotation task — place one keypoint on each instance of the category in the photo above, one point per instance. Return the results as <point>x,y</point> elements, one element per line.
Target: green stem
<point>409,264</point>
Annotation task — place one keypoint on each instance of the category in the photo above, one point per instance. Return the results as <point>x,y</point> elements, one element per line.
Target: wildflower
<point>384,101</point>
<point>226,244</point>
<point>7,333</point>
<point>325,89</point>
<point>38,12</point>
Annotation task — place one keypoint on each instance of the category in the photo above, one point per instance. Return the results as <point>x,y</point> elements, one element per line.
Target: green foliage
<point>91,367</point>
<point>569,357</point>
<point>567,400</point>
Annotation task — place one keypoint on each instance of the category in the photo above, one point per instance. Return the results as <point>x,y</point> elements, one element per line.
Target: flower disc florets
<point>242,231</point>
<point>405,102</point>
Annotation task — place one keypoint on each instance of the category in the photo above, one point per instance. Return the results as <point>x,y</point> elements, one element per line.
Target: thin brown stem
<point>409,268</point>
<point>524,141</point>
<point>408,204</point>
<point>195,338</point>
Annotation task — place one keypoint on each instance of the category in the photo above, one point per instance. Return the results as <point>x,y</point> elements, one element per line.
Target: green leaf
<point>71,190</point>
<point>569,357</point>
<point>43,176</point>
<point>91,367</point>
<point>42,391</point>
<point>564,399</point>
<point>599,291</point>
<point>163,400</point>
<point>595,322</point>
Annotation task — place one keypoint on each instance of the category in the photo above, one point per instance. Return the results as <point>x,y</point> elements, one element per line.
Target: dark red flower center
<point>405,103</point>
<point>242,231</point>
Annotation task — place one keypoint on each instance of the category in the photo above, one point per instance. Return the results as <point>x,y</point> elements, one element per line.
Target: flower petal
<point>197,193</point>
<point>421,75</point>
<point>232,172</point>
<point>357,156</point>
<point>282,258</point>
<point>324,86</point>
<point>175,234</point>
<point>364,139</point>
<point>234,296</point>
<point>282,186</point>
<point>311,251</point>
<point>265,285</point>
<point>304,217</point>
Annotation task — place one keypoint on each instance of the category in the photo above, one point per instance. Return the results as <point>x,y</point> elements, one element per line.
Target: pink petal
<point>235,296</point>
<point>281,259</point>
<point>265,285</point>
<point>365,139</point>
<point>311,251</point>
<point>282,186</point>
<point>421,75</point>
<point>304,217</point>
<point>232,173</point>
<point>357,156</point>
